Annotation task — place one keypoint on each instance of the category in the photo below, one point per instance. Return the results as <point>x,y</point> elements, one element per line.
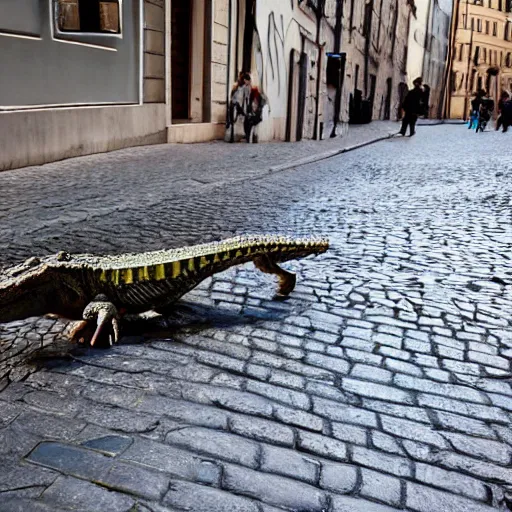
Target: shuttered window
<point>89,16</point>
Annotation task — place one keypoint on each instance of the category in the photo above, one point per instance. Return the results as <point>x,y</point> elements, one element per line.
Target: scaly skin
<point>84,286</point>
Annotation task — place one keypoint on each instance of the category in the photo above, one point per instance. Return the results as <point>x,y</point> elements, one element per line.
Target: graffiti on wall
<point>276,65</point>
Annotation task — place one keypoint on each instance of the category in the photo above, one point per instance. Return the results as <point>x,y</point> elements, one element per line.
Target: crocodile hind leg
<point>105,313</point>
<point>287,280</point>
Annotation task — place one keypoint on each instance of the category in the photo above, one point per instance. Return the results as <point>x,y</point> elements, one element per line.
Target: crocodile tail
<point>276,247</point>
<point>192,264</point>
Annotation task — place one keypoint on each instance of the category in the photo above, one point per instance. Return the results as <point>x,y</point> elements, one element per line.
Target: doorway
<point>387,104</point>
<point>181,20</point>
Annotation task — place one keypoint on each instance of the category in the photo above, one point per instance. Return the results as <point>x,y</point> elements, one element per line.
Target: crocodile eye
<point>63,256</point>
<point>32,262</point>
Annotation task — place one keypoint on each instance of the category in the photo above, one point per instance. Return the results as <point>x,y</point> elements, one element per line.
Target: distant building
<point>429,40</point>
<point>375,39</point>
<point>481,56</point>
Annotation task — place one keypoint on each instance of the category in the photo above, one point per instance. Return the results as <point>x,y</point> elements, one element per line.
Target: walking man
<point>413,106</point>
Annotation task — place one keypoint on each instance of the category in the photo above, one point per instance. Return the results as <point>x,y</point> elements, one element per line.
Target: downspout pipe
<point>319,15</point>
<point>451,48</point>
<point>228,71</point>
<point>337,48</point>
<point>367,45</point>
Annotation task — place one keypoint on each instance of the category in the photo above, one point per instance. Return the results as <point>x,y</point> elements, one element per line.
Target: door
<point>180,59</point>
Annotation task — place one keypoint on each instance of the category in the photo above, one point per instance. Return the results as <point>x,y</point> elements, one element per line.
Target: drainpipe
<point>451,47</point>
<point>337,47</point>
<point>367,45</point>
<point>319,14</point>
<point>228,81</point>
<point>470,55</point>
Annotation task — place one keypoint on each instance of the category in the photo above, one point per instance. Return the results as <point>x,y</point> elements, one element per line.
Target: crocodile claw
<point>105,312</point>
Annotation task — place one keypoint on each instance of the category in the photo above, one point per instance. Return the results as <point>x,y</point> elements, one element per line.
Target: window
<point>464,21</point>
<point>484,54</point>
<point>487,27</point>
<point>479,25</point>
<point>89,16</point>
<point>495,29</point>
<point>507,31</point>
<point>508,60</point>
<point>477,55</point>
<point>461,52</point>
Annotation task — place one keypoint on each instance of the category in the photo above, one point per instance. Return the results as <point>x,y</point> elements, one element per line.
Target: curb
<point>328,154</point>
<point>316,158</point>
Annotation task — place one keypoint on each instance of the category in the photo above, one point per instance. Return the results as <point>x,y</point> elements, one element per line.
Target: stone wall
<point>385,45</point>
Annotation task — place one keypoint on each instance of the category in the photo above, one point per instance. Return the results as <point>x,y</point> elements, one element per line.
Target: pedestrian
<point>501,103</point>
<point>506,115</point>
<point>238,104</point>
<point>486,109</point>
<point>475,109</point>
<point>254,114</point>
<point>413,106</point>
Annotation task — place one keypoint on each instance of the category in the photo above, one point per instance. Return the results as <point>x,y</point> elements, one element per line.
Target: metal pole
<point>337,47</point>
<point>467,74</point>
<point>319,15</point>
<point>451,48</point>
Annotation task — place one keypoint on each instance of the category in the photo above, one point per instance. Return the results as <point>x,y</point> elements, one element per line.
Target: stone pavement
<point>382,384</point>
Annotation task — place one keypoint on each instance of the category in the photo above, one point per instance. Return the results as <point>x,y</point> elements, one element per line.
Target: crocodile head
<point>32,288</point>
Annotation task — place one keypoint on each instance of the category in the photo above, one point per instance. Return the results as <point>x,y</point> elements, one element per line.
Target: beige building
<point>482,52</point>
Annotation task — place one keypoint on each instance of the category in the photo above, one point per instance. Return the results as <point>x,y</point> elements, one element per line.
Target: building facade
<point>87,76</point>
<point>481,56</point>
<point>324,63</point>
<point>429,40</point>
<point>375,38</point>
<point>84,77</point>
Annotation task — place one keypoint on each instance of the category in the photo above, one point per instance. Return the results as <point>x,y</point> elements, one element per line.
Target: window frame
<point>59,33</point>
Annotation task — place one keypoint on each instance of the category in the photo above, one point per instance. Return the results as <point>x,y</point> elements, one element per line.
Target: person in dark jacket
<point>413,106</point>
<point>506,115</point>
<point>501,103</point>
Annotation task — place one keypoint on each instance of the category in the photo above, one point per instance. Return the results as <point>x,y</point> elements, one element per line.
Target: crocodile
<point>98,290</point>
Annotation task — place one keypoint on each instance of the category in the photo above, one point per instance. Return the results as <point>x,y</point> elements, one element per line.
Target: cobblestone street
<point>383,383</point>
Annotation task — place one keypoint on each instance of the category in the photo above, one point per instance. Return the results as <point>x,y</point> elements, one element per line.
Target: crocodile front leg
<point>104,312</point>
<point>287,280</point>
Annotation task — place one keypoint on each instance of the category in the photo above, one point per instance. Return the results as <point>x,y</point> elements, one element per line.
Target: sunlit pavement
<point>382,384</point>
